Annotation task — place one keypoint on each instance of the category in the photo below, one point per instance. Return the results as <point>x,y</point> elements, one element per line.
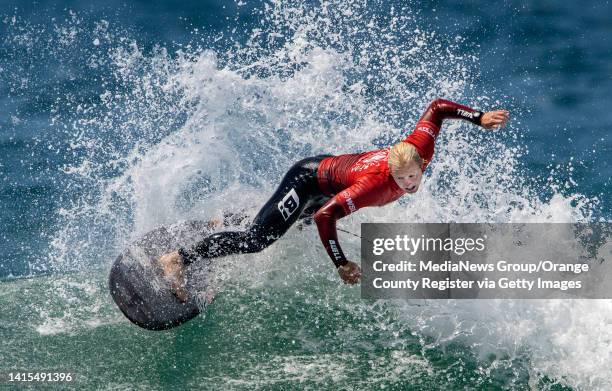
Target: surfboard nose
<point>143,298</point>
<point>125,294</point>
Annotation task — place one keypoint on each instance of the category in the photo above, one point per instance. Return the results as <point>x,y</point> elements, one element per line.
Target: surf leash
<point>348,232</point>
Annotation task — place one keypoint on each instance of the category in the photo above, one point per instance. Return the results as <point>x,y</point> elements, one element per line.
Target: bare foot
<point>172,264</point>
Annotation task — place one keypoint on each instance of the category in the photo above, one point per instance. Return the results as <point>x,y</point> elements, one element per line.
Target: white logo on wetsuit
<point>370,161</point>
<point>289,204</point>
<point>466,114</point>
<point>427,130</point>
<point>334,248</point>
<point>349,201</point>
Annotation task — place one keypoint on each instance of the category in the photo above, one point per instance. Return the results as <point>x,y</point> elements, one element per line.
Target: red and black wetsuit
<point>359,180</point>
<point>330,187</point>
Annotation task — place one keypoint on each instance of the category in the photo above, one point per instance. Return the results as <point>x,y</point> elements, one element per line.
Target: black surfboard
<point>137,285</point>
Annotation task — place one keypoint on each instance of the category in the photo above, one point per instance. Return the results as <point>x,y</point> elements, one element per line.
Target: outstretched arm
<point>441,109</point>
<point>326,218</point>
<point>347,201</point>
<point>426,130</point>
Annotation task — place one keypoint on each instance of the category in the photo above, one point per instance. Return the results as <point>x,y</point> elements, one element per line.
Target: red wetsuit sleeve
<point>426,130</point>
<point>441,109</point>
<point>326,218</point>
<point>361,194</point>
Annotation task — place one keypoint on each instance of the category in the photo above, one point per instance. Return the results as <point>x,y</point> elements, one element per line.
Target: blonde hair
<point>401,153</point>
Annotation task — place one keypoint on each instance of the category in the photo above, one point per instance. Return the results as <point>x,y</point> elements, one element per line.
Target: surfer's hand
<point>172,263</point>
<point>350,273</point>
<point>494,119</point>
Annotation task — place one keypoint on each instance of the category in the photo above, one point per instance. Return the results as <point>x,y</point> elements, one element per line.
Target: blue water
<point>90,91</point>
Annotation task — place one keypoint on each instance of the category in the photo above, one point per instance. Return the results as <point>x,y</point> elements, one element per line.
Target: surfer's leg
<point>297,190</point>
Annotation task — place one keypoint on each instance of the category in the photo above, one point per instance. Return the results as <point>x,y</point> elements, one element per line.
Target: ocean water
<point>116,118</point>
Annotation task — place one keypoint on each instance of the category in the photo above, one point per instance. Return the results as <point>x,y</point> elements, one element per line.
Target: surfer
<point>328,188</point>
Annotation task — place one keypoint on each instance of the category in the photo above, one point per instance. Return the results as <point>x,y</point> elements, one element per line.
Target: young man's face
<point>408,177</point>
